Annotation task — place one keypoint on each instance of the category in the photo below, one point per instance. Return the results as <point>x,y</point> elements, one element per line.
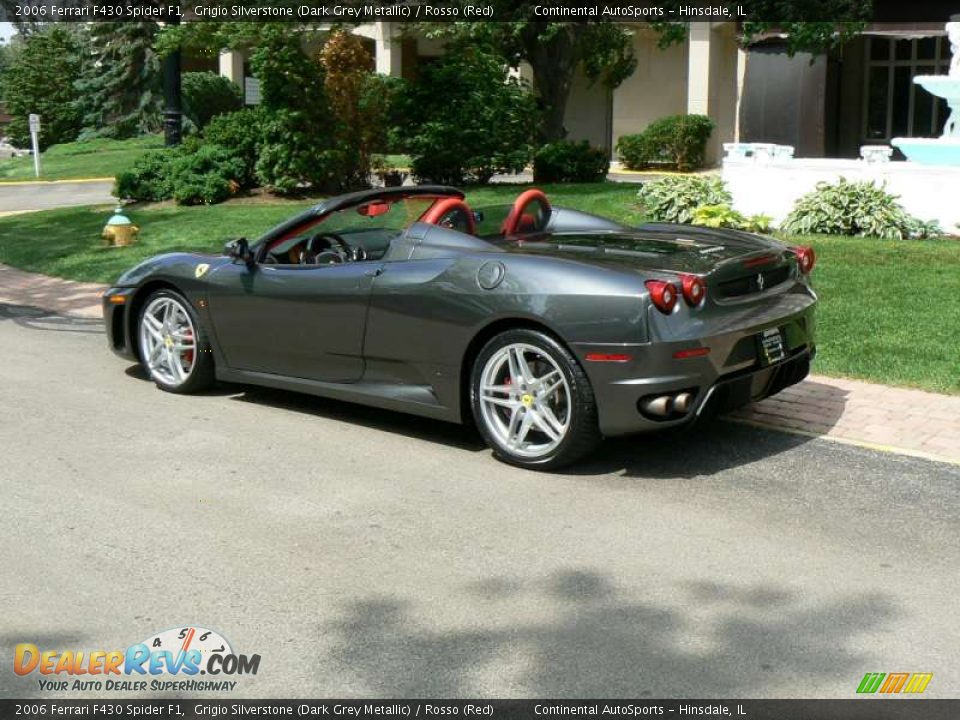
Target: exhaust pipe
<point>661,405</point>
<point>682,403</point>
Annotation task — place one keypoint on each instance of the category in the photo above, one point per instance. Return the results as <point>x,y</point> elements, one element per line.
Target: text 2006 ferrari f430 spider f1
<point>547,327</point>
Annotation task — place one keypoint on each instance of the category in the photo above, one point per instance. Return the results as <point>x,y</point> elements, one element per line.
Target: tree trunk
<point>554,62</point>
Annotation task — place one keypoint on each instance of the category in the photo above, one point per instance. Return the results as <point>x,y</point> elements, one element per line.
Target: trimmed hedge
<point>677,141</point>
<point>242,132</point>
<point>150,178</point>
<point>565,161</point>
<point>205,176</point>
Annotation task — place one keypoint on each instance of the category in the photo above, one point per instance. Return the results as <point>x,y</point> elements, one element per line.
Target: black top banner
<point>358,11</point>
<point>226,709</point>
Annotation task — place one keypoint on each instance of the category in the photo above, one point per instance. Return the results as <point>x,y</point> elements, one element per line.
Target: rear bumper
<point>732,392</point>
<point>732,375</point>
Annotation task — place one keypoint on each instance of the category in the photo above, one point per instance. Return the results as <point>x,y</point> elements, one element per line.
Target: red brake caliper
<point>188,355</point>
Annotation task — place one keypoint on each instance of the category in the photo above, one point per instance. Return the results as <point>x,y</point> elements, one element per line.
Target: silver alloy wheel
<point>168,341</point>
<point>525,400</point>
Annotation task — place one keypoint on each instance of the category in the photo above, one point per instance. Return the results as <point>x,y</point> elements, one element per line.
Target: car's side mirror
<point>239,249</point>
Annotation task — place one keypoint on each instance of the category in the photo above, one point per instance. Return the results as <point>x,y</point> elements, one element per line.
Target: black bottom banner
<point>854,709</point>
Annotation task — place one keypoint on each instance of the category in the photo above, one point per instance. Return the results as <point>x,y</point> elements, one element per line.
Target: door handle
<point>376,272</point>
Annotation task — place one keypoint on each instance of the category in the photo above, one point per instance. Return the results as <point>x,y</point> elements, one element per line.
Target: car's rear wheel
<point>173,347</point>
<point>532,401</point>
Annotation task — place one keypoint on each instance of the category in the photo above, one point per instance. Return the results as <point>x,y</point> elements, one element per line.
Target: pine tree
<point>40,79</point>
<point>122,87</point>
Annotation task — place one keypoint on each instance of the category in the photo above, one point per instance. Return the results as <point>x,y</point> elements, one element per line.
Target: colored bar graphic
<point>918,682</point>
<point>870,682</point>
<point>894,682</point>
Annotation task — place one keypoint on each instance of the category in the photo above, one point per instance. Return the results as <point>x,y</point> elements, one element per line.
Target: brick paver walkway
<point>910,421</point>
<point>861,413</point>
<point>64,297</point>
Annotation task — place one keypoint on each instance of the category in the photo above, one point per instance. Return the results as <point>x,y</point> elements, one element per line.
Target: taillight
<point>663,294</point>
<point>806,258</point>
<point>694,291</point>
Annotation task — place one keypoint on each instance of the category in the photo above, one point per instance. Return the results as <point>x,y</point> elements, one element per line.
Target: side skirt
<point>413,399</point>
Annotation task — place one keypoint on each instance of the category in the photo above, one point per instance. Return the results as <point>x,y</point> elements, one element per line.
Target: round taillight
<point>663,294</point>
<point>806,258</point>
<point>694,290</point>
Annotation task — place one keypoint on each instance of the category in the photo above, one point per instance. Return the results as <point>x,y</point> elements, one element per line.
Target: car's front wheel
<point>532,401</point>
<point>173,347</point>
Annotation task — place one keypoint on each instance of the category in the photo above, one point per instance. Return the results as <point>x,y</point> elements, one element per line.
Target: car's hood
<point>656,246</point>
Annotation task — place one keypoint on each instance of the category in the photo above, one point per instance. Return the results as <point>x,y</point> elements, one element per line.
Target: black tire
<point>582,432</point>
<point>201,374</point>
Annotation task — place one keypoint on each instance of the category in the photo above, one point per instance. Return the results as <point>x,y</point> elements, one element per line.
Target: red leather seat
<point>449,213</point>
<point>530,213</point>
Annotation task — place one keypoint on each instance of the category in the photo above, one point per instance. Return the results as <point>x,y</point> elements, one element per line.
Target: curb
<point>654,173</point>
<point>893,450</point>
<point>56,182</point>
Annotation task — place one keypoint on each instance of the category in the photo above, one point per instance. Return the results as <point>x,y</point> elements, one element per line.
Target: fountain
<point>768,179</point>
<point>944,150</point>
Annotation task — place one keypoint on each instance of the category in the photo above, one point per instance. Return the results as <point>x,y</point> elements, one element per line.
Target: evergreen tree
<point>40,79</point>
<point>122,88</point>
<point>7,54</point>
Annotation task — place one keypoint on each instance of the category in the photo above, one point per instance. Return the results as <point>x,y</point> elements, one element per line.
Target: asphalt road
<point>15,197</point>
<point>363,553</point>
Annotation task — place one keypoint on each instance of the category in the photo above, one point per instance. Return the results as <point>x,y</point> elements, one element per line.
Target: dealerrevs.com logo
<point>168,661</point>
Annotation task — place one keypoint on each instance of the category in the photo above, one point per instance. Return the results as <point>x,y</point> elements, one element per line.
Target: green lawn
<point>889,311</point>
<point>91,159</point>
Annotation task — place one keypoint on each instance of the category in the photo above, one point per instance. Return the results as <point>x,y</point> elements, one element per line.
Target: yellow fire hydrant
<point>119,231</point>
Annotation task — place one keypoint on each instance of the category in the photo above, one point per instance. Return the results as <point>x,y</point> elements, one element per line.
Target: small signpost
<point>35,141</point>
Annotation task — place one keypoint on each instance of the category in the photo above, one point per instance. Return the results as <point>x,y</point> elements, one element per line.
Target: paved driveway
<point>18,197</point>
<point>365,553</point>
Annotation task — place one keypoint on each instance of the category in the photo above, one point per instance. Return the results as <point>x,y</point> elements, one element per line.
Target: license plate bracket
<point>771,347</point>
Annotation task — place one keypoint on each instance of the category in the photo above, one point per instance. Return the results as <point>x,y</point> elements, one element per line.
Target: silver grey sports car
<point>547,327</point>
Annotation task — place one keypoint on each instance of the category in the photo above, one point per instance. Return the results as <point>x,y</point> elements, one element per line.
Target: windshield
<point>376,215</point>
<point>366,230</point>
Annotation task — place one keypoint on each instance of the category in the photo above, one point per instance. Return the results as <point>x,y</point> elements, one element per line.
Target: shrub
<point>242,132</point>
<point>150,177</point>
<point>290,157</point>
<point>206,176</point>
<point>864,209</point>
<point>564,161</point>
<point>675,199</point>
<point>678,141</point>
<point>298,146</point>
<point>724,216</point>
<point>465,119</point>
<point>207,95</point>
